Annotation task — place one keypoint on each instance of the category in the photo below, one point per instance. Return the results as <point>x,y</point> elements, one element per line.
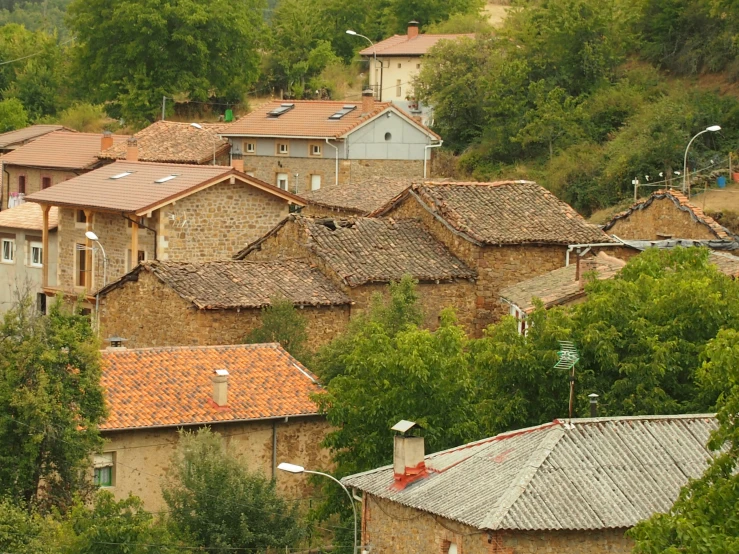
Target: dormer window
<point>277,112</point>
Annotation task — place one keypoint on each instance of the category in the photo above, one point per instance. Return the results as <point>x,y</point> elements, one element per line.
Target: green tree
<point>22,532</point>
<point>216,502</point>
<point>397,13</point>
<point>282,323</point>
<point>51,403</point>
<point>12,115</point>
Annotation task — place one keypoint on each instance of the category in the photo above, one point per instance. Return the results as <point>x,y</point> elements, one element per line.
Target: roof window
<point>344,110</point>
<point>121,175</point>
<point>165,179</point>
<point>277,112</point>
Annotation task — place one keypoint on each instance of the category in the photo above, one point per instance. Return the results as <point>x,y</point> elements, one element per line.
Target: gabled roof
<point>20,136</point>
<point>681,202</point>
<point>174,142</point>
<point>137,190</point>
<point>559,286</point>
<point>28,216</point>
<point>502,212</point>
<point>401,45</point>
<point>601,473</point>
<point>366,250</point>
<point>171,386</point>
<point>310,119</point>
<point>61,150</point>
<point>229,284</point>
<point>361,197</point>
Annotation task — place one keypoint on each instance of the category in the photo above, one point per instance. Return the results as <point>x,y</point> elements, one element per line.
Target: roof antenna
<point>568,357</point>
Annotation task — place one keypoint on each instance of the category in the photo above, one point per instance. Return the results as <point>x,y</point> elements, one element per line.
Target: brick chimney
<point>368,101</point>
<point>412,30</point>
<point>220,387</point>
<point>107,141</point>
<point>238,165</point>
<point>132,152</point>
<point>408,455</point>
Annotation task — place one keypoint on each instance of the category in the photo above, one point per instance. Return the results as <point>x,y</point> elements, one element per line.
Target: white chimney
<point>408,454</point>
<point>220,387</point>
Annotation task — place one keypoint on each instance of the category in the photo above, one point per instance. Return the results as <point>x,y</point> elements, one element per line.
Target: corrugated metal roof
<point>596,474</point>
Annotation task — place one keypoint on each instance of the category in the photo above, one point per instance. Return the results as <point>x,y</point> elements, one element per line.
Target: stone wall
<point>217,222</point>
<point>388,527</point>
<point>662,219</point>
<point>148,313</point>
<point>33,178</point>
<point>142,457</point>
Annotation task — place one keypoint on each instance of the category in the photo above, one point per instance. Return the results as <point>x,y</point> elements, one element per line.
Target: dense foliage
<point>281,322</point>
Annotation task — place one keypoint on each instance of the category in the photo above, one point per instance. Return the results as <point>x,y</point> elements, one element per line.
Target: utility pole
<point>164,106</point>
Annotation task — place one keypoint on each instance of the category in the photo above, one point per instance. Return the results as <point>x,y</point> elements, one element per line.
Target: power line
<point>35,53</point>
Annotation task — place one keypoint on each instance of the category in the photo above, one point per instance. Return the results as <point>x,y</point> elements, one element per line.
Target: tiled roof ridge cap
<point>125,351</point>
<point>173,164</point>
<point>654,417</point>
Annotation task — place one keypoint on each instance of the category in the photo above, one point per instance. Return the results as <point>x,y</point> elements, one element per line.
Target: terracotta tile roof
<point>683,203</point>
<point>28,216</point>
<point>19,136</point>
<point>174,142</point>
<point>401,45</point>
<point>728,264</point>
<point>61,149</point>
<point>559,286</point>
<point>503,212</point>
<point>166,387</point>
<point>361,197</point>
<point>366,250</point>
<point>230,284</point>
<point>139,192</point>
<point>310,119</point>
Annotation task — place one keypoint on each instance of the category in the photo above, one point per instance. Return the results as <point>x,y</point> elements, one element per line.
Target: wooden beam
<point>45,208</point>
<point>134,244</point>
<point>88,252</point>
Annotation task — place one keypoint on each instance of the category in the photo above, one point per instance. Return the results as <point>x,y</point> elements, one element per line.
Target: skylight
<point>277,112</point>
<point>121,175</point>
<point>344,110</point>
<point>165,179</point>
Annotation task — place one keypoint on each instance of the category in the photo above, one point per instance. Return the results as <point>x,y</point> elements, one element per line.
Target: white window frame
<point>316,151</point>
<point>250,147</point>
<point>313,177</point>
<point>280,151</point>
<point>287,181</point>
<point>10,250</point>
<point>34,245</point>
<point>103,461</point>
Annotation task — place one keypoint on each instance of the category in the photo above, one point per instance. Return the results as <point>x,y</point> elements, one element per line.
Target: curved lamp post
<point>94,238</point>
<point>374,53</point>
<point>292,468</point>
<point>711,129</point>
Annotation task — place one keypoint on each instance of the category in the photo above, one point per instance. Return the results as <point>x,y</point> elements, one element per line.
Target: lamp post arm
<point>349,494</point>
<point>374,50</point>
<point>685,161</point>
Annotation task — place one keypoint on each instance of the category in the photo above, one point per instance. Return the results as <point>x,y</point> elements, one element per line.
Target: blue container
<point>721,182</point>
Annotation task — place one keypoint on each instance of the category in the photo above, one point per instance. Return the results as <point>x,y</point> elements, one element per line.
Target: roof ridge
<point>274,345</point>
<point>518,486</point>
<point>656,417</point>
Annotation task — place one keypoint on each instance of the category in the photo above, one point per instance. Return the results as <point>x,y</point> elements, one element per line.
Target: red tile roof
<point>310,119</point>
<point>401,45</point>
<point>171,386</point>
<point>139,192</point>
<point>61,150</point>
<point>19,136</point>
<point>28,216</point>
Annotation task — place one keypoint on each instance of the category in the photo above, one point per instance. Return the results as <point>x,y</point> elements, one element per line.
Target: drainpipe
<point>5,171</point>
<point>336,182</point>
<point>425,154</point>
<point>274,449</point>
<point>145,227</point>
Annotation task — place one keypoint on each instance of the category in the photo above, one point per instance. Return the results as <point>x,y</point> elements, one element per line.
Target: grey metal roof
<point>595,474</point>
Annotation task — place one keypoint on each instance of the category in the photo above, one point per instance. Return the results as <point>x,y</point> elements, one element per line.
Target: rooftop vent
<point>116,343</point>
<point>121,175</point>
<point>165,179</point>
<point>277,112</point>
<point>344,110</point>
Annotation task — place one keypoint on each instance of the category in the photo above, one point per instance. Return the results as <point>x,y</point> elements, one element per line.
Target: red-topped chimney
<point>412,30</point>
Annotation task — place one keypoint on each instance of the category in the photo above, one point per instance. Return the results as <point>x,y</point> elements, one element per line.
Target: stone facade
<point>149,313</point>
<point>662,219</point>
<point>142,456</point>
<point>33,177</point>
<point>388,527</point>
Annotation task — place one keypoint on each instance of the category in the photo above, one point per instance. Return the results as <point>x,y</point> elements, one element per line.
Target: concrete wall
<point>33,178</point>
<point>660,220</point>
<point>20,277</point>
<point>149,313</point>
<point>388,137</point>
<point>388,527</point>
<point>394,69</point>
<point>142,457</point>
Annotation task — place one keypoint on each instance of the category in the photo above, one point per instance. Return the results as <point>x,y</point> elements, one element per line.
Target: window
<point>21,184</point>
<point>45,182</point>
<point>388,136</point>
<point>315,182</point>
<point>81,264</point>
<point>41,303</point>
<point>398,88</point>
<point>399,66</point>
<point>315,150</point>
<point>8,251</point>
<point>250,147</point>
<point>140,257</point>
<point>282,181</point>
<point>81,216</point>
<point>418,66</point>
<point>282,149</point>
<point>104,465</point>
<point>36,255</point>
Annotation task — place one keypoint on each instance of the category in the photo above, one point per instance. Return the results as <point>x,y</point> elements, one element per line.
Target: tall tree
<point>282,323</point>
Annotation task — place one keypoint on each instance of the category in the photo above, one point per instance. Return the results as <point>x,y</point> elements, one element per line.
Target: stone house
<point>666,214</point>
<point>564,486</point>
<point>256,396</point>
<point>304,145</point>
<point>358,198</point>
<point>363,255</point>
<point>49,160</point>
<point>21,253</point>
<point>15,139</point>
<point>141,211</point>
<point>174,142</point>
<point>506,231</point>
<point>216,302</point>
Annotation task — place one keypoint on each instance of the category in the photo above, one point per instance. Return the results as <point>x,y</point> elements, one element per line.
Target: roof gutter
<point>588,246</point>
<point>425,154</point>
<point>283,136</point>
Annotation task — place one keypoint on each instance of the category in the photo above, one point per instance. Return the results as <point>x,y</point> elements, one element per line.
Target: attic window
<point>277,112</point>
<point>121,175</point>
<point>165,179</point>
<point>344,110</point>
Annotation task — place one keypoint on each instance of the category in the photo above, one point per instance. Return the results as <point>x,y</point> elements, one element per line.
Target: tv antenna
<point>568,358</point>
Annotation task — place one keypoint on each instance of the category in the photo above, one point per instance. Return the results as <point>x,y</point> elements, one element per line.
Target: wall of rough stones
<point>662,219</point>
<point>148,313</point>
<point>33,178</point>
<point>142,457</point>
<point>388,527</point>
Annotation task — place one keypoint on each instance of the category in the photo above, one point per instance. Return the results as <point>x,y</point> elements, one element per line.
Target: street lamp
<point>711,129</point>
<point>199,126</point>
<point>374,53</point>
<point>292,468</point>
